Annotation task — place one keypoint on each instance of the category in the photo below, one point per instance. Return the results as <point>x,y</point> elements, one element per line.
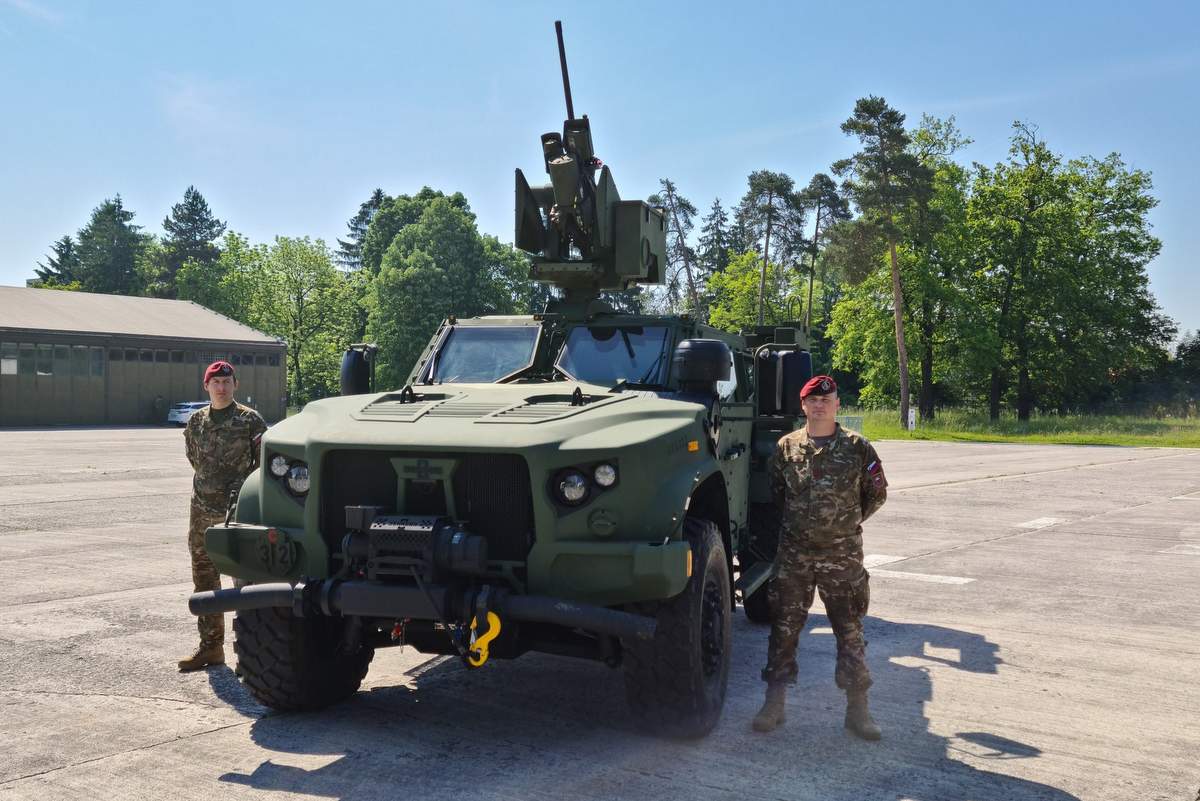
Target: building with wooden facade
<point>76,358</point>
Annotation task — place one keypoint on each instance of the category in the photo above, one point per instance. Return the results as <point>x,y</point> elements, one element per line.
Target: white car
<point>180,412</point>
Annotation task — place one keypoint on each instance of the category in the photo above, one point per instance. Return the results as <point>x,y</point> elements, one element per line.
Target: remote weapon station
<point>581,481</point>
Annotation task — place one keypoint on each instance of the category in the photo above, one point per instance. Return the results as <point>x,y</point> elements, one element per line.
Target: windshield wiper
<point>653,367</point>
<point>628,345</point>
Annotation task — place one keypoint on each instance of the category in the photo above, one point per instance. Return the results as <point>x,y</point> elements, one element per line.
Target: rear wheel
<point>676,684</point>
<point>294,663</point>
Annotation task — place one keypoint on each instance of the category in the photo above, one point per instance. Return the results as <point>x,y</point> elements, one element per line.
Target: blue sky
<point>286,115</point>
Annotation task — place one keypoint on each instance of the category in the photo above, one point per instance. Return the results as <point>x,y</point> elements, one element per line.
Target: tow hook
<point>477,648</point>
<point>477,653</point>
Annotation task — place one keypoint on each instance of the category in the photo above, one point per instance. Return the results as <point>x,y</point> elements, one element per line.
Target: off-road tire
<point>295,664</point>
<point>675,685</point>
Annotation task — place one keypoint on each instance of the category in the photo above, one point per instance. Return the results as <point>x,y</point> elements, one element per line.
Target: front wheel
<point>297,663</point>
<point>676,684</point>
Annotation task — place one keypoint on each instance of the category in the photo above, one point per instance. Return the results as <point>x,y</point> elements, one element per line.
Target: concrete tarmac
<point>1033,634</point>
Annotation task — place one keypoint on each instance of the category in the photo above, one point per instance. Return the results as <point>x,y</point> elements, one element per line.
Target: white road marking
<point>1042,522</point>
<point>1191,496</point>
<point>930,577</point>
<point>1186,549</point>
<point>873,560</point>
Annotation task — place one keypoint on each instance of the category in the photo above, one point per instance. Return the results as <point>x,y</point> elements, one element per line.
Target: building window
<point>8,358</point>
<point>61,354</point>
<point>161,356</point>
<point>191,357</point>
<point>25,359</point>
<point>45,360</point>
<point>260,360</point>
<point>273,360</point>
<point>79,360</point>
<point>235,359</point>
<point>115,355</point>
<point>97,362</point>
<point>147,355</point>
<point>131,355</point>
<point>176,357</point>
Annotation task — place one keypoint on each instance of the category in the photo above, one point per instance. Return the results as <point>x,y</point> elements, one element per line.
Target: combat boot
<point>204,656</point>
<point>858,717</point>
<point>771,716</point>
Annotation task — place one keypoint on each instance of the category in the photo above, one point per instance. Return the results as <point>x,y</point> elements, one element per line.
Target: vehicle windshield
<point>607,354</point>
<point>484,354</point>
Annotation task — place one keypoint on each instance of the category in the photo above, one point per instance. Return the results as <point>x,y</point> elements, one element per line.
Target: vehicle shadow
<point>552,727</point>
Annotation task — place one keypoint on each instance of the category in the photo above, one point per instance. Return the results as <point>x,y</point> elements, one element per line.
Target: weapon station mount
<point>582,237</point>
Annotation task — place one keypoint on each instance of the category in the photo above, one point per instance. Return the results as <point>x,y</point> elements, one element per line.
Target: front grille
<point>492,495</point>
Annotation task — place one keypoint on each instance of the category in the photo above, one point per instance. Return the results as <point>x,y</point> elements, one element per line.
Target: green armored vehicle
<point>579,482</point>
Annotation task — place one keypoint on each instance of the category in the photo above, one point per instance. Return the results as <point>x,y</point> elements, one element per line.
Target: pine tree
<point>109,248</point>
<point>349,252</point>
<point>62,265</point>
<point>882,179</point>
<point>681,258</point>
<point>190,230</point>
<point>715,240</point>
<point>829,208</point>
<point>770,209</point>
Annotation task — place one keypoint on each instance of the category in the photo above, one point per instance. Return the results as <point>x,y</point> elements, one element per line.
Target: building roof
<point>24,309</point>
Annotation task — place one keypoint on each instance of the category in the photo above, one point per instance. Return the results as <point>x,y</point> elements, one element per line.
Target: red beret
<point>218,368</point>
<point>818,385</point>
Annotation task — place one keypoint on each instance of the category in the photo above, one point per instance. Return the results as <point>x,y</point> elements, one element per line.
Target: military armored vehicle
<point>580,481</point>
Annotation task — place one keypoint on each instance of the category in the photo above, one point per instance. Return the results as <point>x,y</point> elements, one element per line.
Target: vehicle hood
<point>490,417</point>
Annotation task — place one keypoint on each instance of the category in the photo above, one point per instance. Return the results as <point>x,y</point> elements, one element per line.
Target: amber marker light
<point>693,445</point>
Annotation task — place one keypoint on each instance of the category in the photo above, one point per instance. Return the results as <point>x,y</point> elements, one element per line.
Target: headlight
<point>572,487</point>
<point>279,466</point>
<point>297,479</point>
<point>605,475</point>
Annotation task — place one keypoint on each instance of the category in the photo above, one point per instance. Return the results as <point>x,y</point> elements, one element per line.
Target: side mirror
<point>699,364</point>
<point>358,370</point>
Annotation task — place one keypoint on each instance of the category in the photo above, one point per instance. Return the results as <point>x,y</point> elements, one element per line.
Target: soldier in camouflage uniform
<point>826,481</point>
<point>222,446</point>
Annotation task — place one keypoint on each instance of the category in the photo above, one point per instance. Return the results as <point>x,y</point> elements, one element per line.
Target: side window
<point>79,360</point>
<point>97,362</point>
<point>25,359</point>
<point>45,360</point>
<point>8,358</point>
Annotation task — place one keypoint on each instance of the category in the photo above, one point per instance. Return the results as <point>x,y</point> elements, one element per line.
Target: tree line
<point>1018,286</point>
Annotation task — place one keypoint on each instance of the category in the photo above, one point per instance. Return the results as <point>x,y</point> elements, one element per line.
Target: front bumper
<point>602,573</point>
<point>435,602</point>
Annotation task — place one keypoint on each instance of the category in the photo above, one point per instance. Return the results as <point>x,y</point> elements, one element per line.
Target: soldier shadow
<point>912,762</point>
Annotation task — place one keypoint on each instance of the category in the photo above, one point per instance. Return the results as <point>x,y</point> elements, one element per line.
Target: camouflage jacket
<point>824,494</point>
<point>222,453</point>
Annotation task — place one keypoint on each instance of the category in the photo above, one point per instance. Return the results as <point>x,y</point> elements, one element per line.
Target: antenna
<point>562,61</point>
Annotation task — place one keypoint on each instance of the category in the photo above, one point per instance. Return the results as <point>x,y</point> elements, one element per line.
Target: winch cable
<point>451,631</point>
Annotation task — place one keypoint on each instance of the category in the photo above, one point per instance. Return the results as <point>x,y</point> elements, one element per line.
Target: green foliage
<point>965,425</point>
<point>715,240</point>
<point>109,248</point>
<point>349,252</point>
<point>436,266</point>
<point>735,294</point>
<point>61,267</point>
<point>190,231</point>
<point>394,215</point>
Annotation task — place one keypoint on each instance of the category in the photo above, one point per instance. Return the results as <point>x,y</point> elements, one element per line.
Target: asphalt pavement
<point>1033,634</point>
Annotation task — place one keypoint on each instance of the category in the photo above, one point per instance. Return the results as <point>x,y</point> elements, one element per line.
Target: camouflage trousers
<point>204,574</point>
<point>838,574</point>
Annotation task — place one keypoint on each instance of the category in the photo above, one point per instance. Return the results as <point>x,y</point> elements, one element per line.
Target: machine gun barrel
<point>562,62</point>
